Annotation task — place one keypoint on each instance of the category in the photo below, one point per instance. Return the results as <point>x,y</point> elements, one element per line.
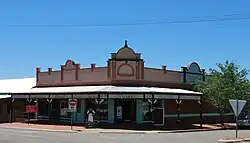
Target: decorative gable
<point>125,64</point>
<point>126,53</point>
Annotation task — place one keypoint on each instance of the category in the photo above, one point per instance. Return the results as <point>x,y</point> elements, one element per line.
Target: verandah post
<point>201,111</point>
<point>11,106</point>
<point>178,109</point>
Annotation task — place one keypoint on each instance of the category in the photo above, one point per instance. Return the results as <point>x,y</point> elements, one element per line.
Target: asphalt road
<point>29,136</point>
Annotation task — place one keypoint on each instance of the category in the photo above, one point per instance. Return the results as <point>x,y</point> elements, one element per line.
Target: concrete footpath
<point>234,140</point>
<point>76,129</point>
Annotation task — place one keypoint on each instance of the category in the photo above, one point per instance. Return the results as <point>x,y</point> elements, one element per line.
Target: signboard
<point>31,108</point>
<point>189,97</point>
<point>60,96</point>
<point>39,96</point>
<point>237,109</point>
<point>182,97</point>
<point>23,96</point>
<point>72,105</point>
<point>80,96</point>
<point>148,96</point>
<point>165,96</point>
<point>126,96</point>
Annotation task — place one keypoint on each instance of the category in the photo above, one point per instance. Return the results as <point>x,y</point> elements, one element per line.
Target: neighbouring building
<point>123,91</point>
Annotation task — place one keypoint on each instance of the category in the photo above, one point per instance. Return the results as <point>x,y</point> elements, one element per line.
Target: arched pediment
<point>126,53</point>
<point>69,64</point>
<point>194,68</point>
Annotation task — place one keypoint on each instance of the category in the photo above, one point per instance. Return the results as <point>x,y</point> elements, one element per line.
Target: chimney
<point>50,70</point>
<point>92,67</point>
<point>77,71</point>
<point>184,69</point>
<point>38,70</point>
<point>164,68</point>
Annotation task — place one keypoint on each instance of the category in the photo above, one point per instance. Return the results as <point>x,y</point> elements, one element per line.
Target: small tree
<point>229,82</point>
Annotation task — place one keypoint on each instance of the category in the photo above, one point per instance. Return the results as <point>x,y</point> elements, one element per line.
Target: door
<point>125,111</point>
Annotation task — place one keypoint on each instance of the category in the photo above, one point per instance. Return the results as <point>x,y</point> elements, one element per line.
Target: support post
<point>71,119</point>
<point>29,100</point>
<point>11,106</point>
<point>49,100</point>
<point>237,108</point>
<point>152,107</point>
<point>178,101</point>
<point>201,112</point>
<point>36,114</point>
<point>98,106</point>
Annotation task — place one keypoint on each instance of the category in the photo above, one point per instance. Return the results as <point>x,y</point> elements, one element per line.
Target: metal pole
<point>178,110</point>
<point>49,110</point>
<point>152,107</point>
<point>11,102</point>
<point>71,119</point>
<point>237,108</point>
<point>28,111</point>
<point>49,100</point>
<point>201,111</point>
<point>98,107</point>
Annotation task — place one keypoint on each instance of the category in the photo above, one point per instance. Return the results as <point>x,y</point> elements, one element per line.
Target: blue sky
<point>175,45</point>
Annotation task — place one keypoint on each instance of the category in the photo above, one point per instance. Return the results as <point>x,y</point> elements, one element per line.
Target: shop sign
<point>126,96</point>
<point>72,105</point>
<point>103,96</point>
<point>31,108</point>
<point>165,96</point>
<point>39,96</point>
<point>85,96</point>
<point>147,96</point>
<point>24,96</point>
<point>187,97</point>
<point>60,96</point>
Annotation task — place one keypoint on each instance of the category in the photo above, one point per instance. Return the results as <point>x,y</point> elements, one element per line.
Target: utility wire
<point>231,17</point>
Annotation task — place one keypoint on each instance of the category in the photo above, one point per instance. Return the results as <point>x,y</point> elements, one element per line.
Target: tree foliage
<point>229,82</point>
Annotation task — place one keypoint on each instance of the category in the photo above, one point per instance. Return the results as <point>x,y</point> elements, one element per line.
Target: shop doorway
<point>125,111</point>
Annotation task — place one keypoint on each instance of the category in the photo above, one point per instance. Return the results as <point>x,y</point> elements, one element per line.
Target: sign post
<point>27,109</point>
<point>237,106</point>
<point>72,108</point>
<point>30,109</point>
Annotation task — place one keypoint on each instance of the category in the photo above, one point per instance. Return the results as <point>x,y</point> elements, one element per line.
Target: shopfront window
<point>147,109</point>
<point>101,110</point>
<point>64,109</point>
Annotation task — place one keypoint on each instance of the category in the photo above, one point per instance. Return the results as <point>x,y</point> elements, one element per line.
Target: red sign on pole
<point>72,102</point>
<point>31,108</point>
<point>72,105</point>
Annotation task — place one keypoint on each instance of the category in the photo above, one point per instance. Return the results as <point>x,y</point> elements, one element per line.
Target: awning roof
<point>104,89</point>
<point>16,85</point>
<point>5,96</point>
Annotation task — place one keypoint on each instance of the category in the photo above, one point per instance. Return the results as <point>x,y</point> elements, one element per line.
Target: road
<point>29,136</point>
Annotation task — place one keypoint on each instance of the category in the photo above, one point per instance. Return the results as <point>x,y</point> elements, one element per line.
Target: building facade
<point>125,69</point>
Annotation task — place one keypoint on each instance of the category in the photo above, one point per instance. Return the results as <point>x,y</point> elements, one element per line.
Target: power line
<point>204,19</point>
